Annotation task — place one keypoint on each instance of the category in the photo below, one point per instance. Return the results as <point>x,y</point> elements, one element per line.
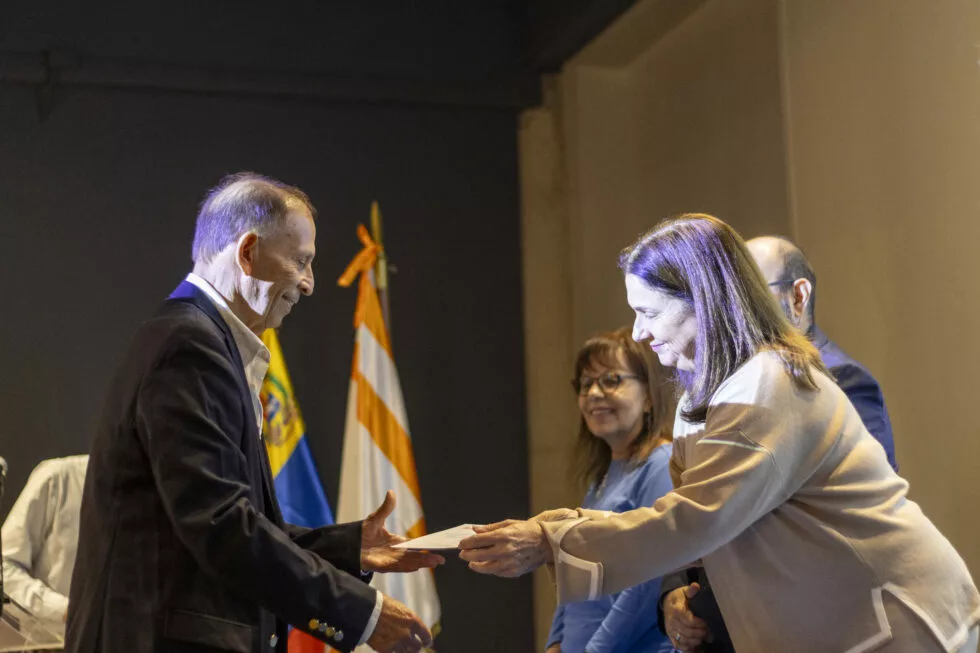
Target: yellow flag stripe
<point>283,425</point>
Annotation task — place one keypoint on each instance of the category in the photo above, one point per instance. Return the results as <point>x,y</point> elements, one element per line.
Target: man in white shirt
<point>40,538</point>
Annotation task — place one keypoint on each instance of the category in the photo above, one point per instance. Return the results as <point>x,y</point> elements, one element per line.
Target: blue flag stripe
<point>301,497</point>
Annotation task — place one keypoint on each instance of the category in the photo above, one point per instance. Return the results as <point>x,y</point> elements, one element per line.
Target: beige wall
<point>884,118</point>
<point>709,133</point>
<point>547,313</point>
<point>850,125</point>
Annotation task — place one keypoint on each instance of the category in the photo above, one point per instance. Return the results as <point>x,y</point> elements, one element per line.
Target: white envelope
<point>447,539</point>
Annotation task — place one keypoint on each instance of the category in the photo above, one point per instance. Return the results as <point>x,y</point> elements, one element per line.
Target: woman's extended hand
<point>509,548</point>
<point>558,514</point>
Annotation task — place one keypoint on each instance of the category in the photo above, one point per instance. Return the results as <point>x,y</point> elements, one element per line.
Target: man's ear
<point>246,251</point>
<point>802,290</point>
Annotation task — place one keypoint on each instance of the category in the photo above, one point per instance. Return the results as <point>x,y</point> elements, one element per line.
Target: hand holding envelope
<point>447,539</point>
<point>508,548</point>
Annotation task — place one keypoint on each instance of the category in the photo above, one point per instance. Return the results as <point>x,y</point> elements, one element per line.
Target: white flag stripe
<point>352,465</point>
<point>407,509</point>
<point>376,366</point>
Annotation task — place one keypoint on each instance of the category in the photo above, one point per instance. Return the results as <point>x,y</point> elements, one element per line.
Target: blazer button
<point>273,640</point>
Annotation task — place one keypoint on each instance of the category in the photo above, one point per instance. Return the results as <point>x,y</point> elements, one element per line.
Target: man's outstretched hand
<point>376,540</point>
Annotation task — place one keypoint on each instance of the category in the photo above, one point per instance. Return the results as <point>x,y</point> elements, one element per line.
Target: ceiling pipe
<point>50,69</point>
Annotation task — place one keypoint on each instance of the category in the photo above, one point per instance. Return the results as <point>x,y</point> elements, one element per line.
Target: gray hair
<point>242,202</point>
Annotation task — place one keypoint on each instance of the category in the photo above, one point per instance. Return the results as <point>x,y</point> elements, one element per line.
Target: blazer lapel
<point>190,293</point>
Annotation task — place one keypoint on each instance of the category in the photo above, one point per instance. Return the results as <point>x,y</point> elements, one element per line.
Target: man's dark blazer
<point>861,388</point>
<point>182,548</point>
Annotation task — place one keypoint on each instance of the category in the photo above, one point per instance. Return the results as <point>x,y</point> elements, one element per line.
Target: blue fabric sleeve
<point>557,627</point>
<point>632,615</point>
<point>634,612</point>
<point>865,393</point>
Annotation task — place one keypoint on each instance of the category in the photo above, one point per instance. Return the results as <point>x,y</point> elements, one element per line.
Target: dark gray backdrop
<point>97,212</point>
<point>105,153</point>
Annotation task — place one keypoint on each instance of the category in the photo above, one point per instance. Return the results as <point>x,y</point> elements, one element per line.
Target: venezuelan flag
<point>301,496</point>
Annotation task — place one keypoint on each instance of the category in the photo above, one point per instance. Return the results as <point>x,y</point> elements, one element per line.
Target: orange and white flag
<point>377,446</point>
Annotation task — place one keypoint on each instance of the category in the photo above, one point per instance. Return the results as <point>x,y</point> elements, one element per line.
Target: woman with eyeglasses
<point>804,529</point>
<point>621,455</point>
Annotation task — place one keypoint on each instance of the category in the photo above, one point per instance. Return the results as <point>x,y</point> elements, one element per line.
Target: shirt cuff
<point>577,579</point>
<point>373,621</point>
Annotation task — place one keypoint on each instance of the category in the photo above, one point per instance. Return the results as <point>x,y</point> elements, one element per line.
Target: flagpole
<point>381,267</point>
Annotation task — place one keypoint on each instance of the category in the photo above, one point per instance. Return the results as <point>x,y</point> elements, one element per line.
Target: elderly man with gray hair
<point>689,612</point>
<point>182,547</point>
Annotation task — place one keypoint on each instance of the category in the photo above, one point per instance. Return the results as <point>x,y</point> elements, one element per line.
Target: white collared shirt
<point>255,357</point>
<point>254,353</point>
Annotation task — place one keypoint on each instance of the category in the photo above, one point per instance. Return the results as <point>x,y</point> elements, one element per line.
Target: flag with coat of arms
<point>301,497</point>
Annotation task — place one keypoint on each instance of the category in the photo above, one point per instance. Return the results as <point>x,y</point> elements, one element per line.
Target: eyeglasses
<point>782,282</point>
<point>608,382</point>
